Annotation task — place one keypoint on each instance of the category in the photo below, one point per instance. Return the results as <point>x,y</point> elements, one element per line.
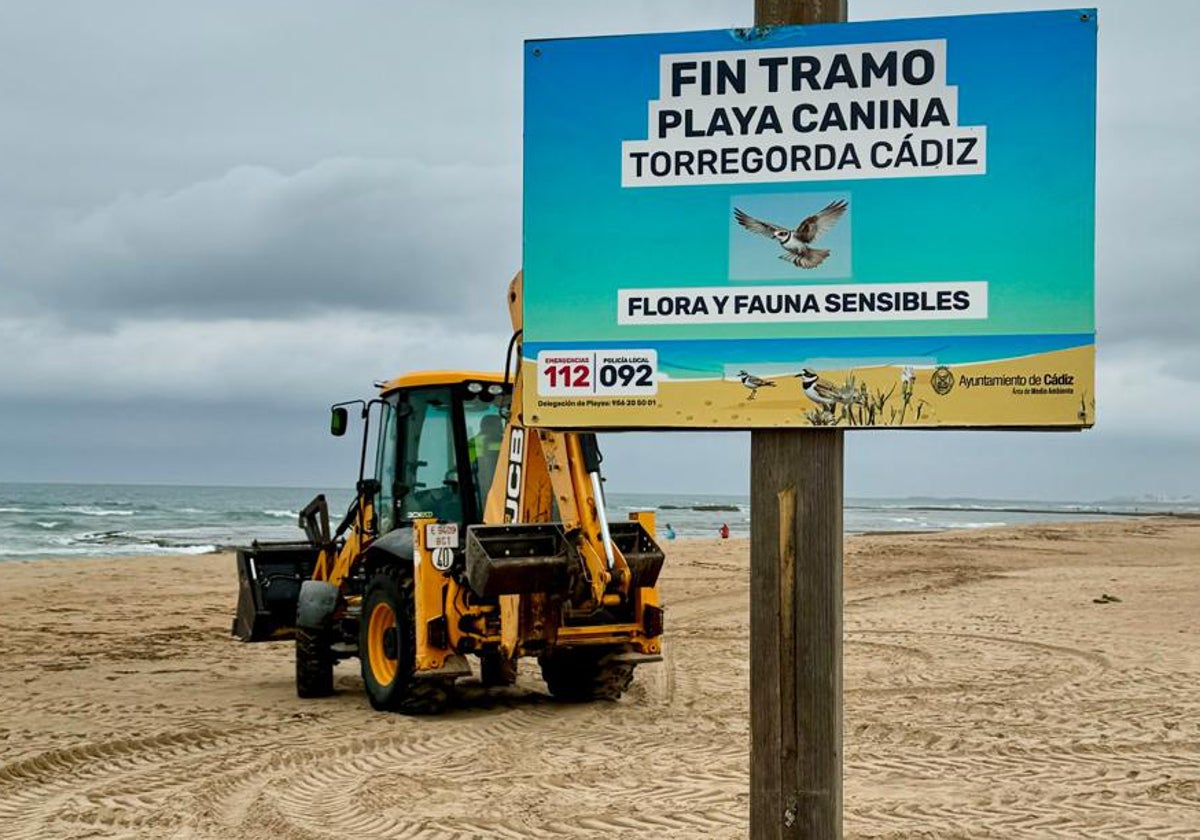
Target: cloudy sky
<point>217,218</point>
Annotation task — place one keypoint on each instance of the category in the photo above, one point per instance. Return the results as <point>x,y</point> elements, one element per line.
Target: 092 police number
<point>626,375</point>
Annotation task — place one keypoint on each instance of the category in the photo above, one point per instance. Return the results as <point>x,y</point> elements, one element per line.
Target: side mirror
<point>338,421</point>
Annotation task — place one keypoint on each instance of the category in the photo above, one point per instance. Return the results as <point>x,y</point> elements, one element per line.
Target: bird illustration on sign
<point>822,391</point>
<point>754,383</point>
<point>797,243</point>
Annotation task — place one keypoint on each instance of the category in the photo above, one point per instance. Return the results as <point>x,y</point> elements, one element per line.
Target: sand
<point>987,695</point>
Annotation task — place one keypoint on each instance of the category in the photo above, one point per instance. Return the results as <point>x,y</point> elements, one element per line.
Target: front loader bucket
<point>269,578</point>
<point>517,559</point>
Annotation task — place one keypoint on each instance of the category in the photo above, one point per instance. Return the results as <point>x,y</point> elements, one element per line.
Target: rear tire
<point>387,649</point>
<point>314,663</point>
<point>495,669</point>
<point>578,675</point>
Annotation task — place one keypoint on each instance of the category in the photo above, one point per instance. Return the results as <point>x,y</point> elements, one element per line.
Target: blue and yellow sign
<point>862,224</point>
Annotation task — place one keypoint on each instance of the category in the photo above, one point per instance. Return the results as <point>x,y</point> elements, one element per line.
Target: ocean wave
<point>282,514</point>
<point>47,525</point>
<point>153,541</point>
<point>190,549</point>
<point>105,536</point>
<point>13,510</point>
<point>116,550</point>
<point>88,510</point>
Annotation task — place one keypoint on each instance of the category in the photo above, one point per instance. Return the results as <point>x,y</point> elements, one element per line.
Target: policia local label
<point>884,223</point>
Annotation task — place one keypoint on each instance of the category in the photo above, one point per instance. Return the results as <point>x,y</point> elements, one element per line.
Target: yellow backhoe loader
<point>475,535</point>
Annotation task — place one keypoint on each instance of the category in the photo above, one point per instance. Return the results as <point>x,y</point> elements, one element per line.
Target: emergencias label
<point>609,373</point>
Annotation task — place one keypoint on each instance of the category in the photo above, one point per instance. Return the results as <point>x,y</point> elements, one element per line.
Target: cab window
<point>429,460</point>
<point>484,419</point>
<point>385,469</point>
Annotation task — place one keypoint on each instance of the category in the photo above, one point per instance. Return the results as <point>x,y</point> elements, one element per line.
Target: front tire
<point>387,649</point>
<point>314,663</point>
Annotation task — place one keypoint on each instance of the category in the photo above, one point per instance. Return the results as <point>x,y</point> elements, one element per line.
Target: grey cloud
<point>97,98</point>
<point>295,361</point>
<point>1147,253</point>
<point>392,236</point>
<point>1184,365</point>
<point>166,441</point>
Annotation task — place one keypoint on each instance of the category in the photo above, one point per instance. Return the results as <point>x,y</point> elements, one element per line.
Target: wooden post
<point>783,12</point>
<point>796,600</point>
<point>796,634</point>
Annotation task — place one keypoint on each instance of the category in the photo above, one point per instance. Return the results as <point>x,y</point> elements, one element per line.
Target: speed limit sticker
<point>607,373</point>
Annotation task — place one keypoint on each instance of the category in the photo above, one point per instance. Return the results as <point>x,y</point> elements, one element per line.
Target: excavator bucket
<point>641,552</point>
<point>518,559</point>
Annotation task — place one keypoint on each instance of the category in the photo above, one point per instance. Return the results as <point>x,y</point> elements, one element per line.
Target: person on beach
<point>724,531</point>
<point>670,532</point>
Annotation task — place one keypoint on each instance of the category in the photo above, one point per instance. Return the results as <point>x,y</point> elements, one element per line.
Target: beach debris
<point>1105,598</point>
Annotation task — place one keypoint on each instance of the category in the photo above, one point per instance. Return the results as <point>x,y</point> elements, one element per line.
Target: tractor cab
<point>438,443</point>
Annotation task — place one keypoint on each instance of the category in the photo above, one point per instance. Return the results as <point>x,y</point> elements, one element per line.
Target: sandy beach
<point>992,690</point>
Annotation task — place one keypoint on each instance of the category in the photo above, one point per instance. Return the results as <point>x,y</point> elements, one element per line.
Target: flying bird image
<point>796,242</point>
<point>753,383</point>
<point>821,391</point>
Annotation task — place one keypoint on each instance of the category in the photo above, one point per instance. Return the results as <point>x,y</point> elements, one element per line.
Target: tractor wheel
<point>387,649</point>
<point>314,662</point>
<point>578,675</point>
<point>496,669</point>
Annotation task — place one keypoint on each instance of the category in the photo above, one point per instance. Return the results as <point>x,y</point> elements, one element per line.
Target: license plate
<point>441,536</point>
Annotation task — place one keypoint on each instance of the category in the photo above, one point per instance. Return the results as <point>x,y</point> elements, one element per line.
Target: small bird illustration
<point>821,391</point>
<point>754,383</point>
<point>796,242</point>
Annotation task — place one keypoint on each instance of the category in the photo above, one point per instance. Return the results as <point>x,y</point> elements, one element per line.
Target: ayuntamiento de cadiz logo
<point>942,381</point>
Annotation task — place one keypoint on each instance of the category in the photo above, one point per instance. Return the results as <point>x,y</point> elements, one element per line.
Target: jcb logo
<point>512,487</point>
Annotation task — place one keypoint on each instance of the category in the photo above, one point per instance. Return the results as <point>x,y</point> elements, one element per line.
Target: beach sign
<point>870,224</point>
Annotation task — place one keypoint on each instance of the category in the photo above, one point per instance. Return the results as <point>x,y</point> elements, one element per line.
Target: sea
<point>98,520</point>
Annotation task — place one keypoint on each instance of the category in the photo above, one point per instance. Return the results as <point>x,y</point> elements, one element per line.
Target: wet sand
<point>988,695</point>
